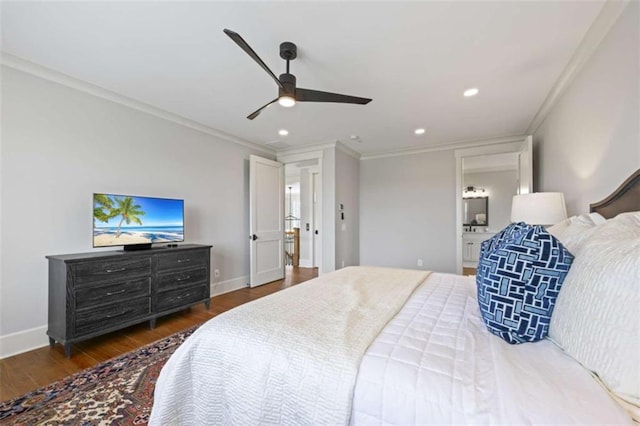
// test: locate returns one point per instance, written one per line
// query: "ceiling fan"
(288, 93)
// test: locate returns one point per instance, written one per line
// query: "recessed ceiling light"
(283, 132)
(471, 92)
(419, 131)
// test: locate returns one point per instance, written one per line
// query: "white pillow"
(572, 232)
(596, 319)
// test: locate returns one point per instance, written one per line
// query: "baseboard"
(306, 263)
(229, 285)
(23, 341)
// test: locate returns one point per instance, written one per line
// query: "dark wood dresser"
(96, 293)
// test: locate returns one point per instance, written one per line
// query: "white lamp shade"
(539, 208)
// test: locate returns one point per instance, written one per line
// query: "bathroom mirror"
(475, 211)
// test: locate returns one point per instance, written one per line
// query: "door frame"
(318, 222)
(522, 145)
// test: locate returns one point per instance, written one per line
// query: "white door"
(266, 217)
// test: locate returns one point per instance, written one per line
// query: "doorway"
(302, 248)
(493, 172)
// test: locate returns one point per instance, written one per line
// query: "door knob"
(253, 237)
(316, 232)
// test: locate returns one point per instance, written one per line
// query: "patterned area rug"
(118, 391)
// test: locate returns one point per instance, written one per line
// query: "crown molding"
(345, 149)
(301, 149)
(598, 30)
(442, 147)
(45, 73)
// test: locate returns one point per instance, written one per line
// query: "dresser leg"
(52, 342)
(152, 323)
(207, 304)
(67, 350)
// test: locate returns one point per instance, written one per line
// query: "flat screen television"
(136, 222)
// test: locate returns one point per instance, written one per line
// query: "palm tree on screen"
(102, 206)
(128, 210)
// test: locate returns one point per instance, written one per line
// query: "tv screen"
(124, 220)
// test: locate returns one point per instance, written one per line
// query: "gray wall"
(407, 211)
(590, 142)
(59, 145)
(347, 194)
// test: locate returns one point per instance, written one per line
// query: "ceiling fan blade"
(256, 113)
(307, 95)
(245, 46)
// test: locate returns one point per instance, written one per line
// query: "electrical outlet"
(216, 273)
(420, 262)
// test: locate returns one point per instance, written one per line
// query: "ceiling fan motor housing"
(289, 83)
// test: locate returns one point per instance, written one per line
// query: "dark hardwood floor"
(25, 372)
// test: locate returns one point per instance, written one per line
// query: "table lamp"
(539, 208)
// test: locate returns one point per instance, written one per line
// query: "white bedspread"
(435, 363)
(289, 358)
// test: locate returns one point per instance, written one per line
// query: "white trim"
(306, 263)
(303, 149)
(300, 156)
(494, 169)
(601, 26)
(23, 65)
(496, 147)
(229, 285)
(441, 147)
(515, 145)
(458, 213)
(23, 341)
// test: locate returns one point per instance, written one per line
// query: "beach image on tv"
(123, 220)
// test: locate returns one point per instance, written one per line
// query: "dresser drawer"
(104, 317)
(183, 260)
(88, 273)
(113, 292)
(181, 279)
(182, 297)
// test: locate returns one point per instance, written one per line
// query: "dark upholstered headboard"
(624, 199)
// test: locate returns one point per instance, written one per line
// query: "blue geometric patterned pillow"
(518, 279)
(507, 233)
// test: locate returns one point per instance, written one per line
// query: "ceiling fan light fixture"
(286, 101)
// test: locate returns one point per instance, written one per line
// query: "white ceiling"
(413, 58)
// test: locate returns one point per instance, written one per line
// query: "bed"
(367, 345)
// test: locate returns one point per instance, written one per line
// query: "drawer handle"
(108, 271)
(182, 296)
(184, 260)
(117, 315)
(109, 293)
(183, 278)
